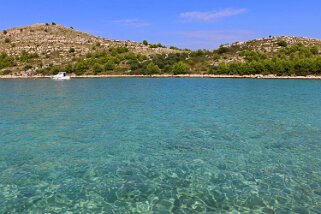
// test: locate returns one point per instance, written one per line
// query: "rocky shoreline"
(172, 76)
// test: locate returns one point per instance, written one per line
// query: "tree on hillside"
(6, 61)
(222, 49)
(145, 42)
(173, 48)
(282, 43)
(7, 40)
(97, 69)
(314, 50)
(180, 68)
(80, 68)
(109, 66)
(251, 55)
(198, 53)
(68, 68)
(152, 68)
(158, 45)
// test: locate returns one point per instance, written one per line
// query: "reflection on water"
(160, 145)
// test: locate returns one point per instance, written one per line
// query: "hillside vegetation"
(45, 49)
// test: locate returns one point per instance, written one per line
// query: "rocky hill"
(269, 46)
(275, 43)
(56, 45)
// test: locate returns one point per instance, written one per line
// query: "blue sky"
(192, 24)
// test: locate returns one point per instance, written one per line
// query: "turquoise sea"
(160, 146)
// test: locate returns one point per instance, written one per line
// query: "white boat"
(61, 76)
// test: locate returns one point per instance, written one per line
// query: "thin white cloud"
(136, 23)
(211, 15)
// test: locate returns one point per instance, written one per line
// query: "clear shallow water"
(160, 145)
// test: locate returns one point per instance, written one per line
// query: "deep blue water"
(160, 146)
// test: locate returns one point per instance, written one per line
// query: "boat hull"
(60, 78)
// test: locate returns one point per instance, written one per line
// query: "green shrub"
(109, 66)
(314, 50)
(5, 32)
(7, 40)
(80, 68)
(6, 61)
(72, 50)
(68, 68)
(145, 42)
(55, 70)
(180, 68)
(134, 65)
(158, 45)
(141, 57)
(97, 69)
(216, 56)
(282, 43)
(151, 68)
(251, 55)
(198, 53)
(45, 71)
(27, 67)
(118, 50)
(25, 56)
(130, 56)
(6, 72)
(173, 48)
(222, 50)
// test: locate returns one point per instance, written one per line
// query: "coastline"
(257, 76)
